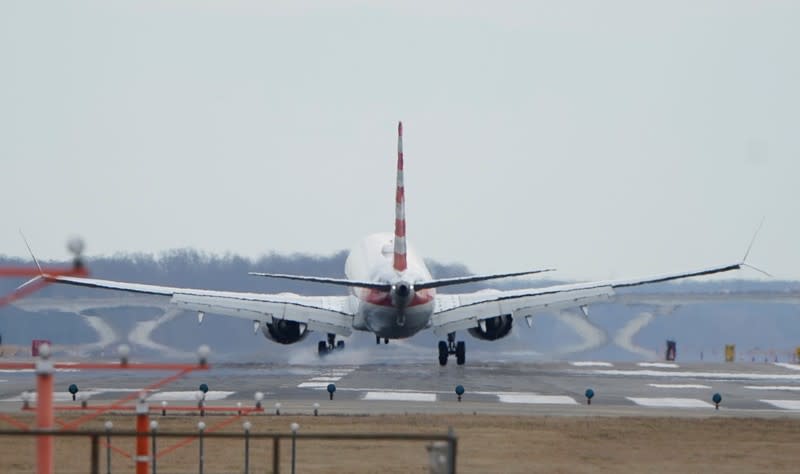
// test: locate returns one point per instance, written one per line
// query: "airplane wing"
(330, 314)
(471, 310)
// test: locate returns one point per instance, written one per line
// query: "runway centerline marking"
(677, 385)
(670, 402)
(785, 404)
(401, 396)
(325, 379)
(660, 365)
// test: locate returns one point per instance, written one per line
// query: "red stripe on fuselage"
(400, 263)
(384, 298)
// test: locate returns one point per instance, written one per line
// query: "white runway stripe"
(670, 402)
(785, 404)
(401, 396)
(30, 371)
(788, 366)
(64, 396)
(697, 375)
(534, 399)
(591, 364)
(57, 397)
(397, 390)
(313, 384)
(188, 395)
(108, 390)
(326, 376)
(789, 388)
(677, 385)
(661, 365)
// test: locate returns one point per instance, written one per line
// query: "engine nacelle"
(285, 332)
(493, 328)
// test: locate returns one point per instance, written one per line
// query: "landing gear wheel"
(326, 347)
(443, 353)
(461, 352)
(459, 349)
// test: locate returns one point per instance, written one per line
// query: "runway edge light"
(331, 390)
(202, 354)
(717, 399)
(73, 389)
(459, 391)
(589, 395)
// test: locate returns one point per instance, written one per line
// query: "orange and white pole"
(45, 419)
(142, 428)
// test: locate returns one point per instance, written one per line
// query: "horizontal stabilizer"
(473, 278)
(332, 281)
(422, 285)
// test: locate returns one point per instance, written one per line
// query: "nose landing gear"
(452, 347)
(378, 340)
(326, 347)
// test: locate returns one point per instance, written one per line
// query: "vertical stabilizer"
(400, 208)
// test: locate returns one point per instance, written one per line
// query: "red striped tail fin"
(400, 263)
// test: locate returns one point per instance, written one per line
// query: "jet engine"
(494, 328)
(285, 332)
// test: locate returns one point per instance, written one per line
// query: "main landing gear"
(452, 347)
(331, 345)
(378, 340)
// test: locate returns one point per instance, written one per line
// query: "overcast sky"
(607, 139)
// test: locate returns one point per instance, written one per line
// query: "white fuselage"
(375, 311)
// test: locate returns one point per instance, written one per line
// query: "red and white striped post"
(142, 428)
(44, 410)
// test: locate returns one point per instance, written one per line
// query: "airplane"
(392, 295)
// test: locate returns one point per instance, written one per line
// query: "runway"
(551, 388)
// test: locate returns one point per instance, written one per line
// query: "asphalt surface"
(513, 388)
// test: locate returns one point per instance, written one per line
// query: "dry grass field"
(487, 444)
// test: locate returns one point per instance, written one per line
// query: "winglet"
(753, 240)
(750, 247)
(41, 272)
(400, 263)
